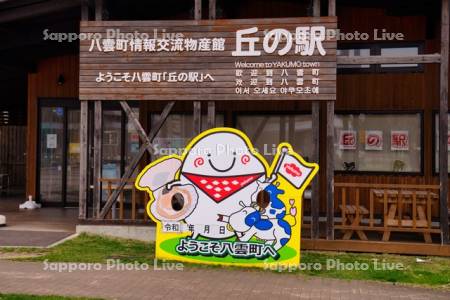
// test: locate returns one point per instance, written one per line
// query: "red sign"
(399, 140)
(293, 170)
(374, 140)
(347, 140)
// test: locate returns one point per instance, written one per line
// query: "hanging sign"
(347, 140)
(374, 140)
(221, 202)
(251, 59)
(52, 141)
(399, 140)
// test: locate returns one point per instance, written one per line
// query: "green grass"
(435, 272)
(96, 249)
(35, 297)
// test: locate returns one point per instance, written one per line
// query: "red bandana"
(219, 188)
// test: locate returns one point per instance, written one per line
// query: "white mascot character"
(218, 172)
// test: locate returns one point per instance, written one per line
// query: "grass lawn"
(435, 271)
(35, 297)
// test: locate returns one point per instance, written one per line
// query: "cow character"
(248, 222)
(275, 208)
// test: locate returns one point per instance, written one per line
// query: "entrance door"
(59, 155)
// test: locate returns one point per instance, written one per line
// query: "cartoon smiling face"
(224, 169)
(221, 154)
(221, 164)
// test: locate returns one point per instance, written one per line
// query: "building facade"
(380, 176)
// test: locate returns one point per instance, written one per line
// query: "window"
(436, 143)
(267, 131)
(120, 143)
(394, 49)
(354, 52)
(177, 131)
(111, 152)
(399, 51)
(378, 142)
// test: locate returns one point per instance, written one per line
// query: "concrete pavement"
(195, 283)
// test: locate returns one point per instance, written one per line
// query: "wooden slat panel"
(221, 65)
(12, 154)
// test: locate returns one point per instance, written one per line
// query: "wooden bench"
(421, 202)
(353, 215)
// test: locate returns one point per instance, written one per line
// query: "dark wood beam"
(84, 146)
(330, 170)
(37, 9)
(211, 114)
(332, 8)
(443, 122)
(84, 10)
(198, 9)
(316, 8)
(212, 9)
(197, 118)
(211, 118)
(315, 193)
(133, 119)
(98, 130)
(146, 146)
(98, 10)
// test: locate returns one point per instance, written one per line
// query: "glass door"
(51, 154)
(59, 155)
(73, 157)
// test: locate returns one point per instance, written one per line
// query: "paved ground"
(38, 228)
(44, 219)
(31, 278)
(31, 238)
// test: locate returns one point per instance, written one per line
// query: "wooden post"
(443, 122)
(315, 195)
(211, 114)
(84, 145)
(98, 10)
(332, 8)
(197, 117)
(330, 151)
(146, 146)
(212, 104)
(212, 9)
(137, 125)
(198, 10)
(316, 8)
(84, 10)
(98, 129)
(330, 170)
(83, 189)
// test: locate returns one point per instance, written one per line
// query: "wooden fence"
(386, 208)
(131, 204)
(12, 153)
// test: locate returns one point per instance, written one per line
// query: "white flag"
(293, 170)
